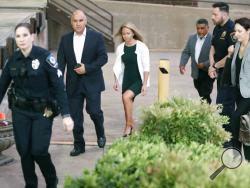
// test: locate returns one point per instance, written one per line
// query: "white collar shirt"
(199, 43)
(78, 44)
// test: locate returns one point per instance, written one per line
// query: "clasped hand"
(81, 69)
(212, 72)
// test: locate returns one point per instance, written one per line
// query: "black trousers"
(93, 108)
(243, 106)
(32, 134)
(204, 85)
(226, 97)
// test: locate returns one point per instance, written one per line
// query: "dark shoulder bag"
(244, 134)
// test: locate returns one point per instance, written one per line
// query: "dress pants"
(226, 97)
(204, 85)
(32, 134)
(243, 107)
(93, 108)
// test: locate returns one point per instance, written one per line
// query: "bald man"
(83, 52)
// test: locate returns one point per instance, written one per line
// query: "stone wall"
(163, 26)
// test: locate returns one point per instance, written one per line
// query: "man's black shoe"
(52, 184)
(101, 142)
(76, 152)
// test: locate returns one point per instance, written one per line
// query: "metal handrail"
(88, 15)
(98, 8)
(101, 17)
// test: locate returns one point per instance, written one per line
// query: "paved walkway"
(11, 174)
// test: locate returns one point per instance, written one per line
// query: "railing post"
(1, 57)
(40, 22)
(33, 24)
(10, 46)
(163, 82)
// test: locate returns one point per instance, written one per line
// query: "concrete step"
(26, 4)
(9, 19)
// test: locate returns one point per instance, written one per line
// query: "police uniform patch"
(35, 64)
(52, 61)
(59, 73)
(223, 35)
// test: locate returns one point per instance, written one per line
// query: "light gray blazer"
(189, 51)
(244, 79)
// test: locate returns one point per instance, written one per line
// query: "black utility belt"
(30, 105)
(48, 107)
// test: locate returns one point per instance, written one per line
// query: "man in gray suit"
(198, 47)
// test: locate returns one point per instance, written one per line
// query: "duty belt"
(49, 108)
(30, 105)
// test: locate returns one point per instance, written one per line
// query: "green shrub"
(87, 180)
(126, 162)
(232, 178)
(140, 161)
(178, 147)
(184, 121)
(198, 152)
(177, 171)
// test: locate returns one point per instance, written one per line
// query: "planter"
(6, 140)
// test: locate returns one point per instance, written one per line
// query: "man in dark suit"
(198, 47)
(83, 52)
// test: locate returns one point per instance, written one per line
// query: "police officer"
(36, 83)
(222, 42)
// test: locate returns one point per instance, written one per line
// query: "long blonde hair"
(129, 25)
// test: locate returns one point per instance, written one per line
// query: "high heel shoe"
(126, 133)
(131, 131)
(131, 124)
(129, 128)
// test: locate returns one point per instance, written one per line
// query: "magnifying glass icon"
(231, 158)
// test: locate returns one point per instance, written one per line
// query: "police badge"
(223, 35)
(35, 64)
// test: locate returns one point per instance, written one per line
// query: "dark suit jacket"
(94, 56)
(189, 51)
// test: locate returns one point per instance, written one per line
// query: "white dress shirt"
(78, 43)
(199, 43)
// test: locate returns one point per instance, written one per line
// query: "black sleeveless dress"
(131, 79)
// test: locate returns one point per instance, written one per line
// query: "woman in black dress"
(131, 70)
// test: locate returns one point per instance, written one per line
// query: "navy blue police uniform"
(222, 39)
(36, 83)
